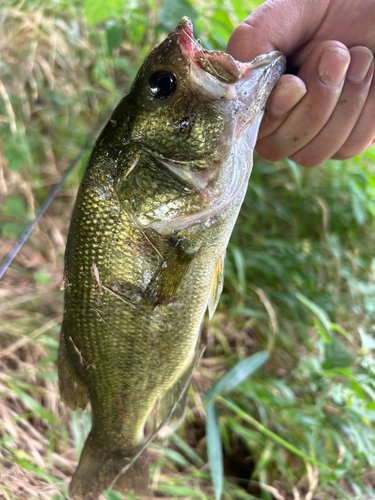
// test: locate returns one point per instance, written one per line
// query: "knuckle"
(242, 31)
(348, 151)
(307, 159)
(318, 113)
(348, 108)
(268, 151)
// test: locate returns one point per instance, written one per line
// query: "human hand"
(328, 109)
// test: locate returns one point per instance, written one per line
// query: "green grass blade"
(270, 434)
(236, 375)
(173, 455)
(31, 403)
(112, 495)
(187, 450)
(214, 449)
(181, 491)
(315, 309)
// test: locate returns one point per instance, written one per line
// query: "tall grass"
(297, 423)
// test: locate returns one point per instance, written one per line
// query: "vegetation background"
(294, 417)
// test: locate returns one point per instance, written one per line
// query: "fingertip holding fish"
(287, 93)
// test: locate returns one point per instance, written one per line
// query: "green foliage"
(336, 356)
(300, 241)
(14, 206)
(96, 12)
(114, 36)
(112, 495)
(173, 10)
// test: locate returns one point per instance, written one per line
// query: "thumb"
(283, 25)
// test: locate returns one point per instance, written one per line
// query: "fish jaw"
(220, 64)
(258, 78)
(247, 83)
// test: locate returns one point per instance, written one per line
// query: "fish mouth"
(223, 76)
(220, 65)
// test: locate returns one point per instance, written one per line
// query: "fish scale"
(146, 246)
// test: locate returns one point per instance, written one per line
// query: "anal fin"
(73, 390)
(169, 410)
(216, 285)
(172, 405)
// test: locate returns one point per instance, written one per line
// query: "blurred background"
(299, 279)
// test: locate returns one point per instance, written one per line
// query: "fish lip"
(258, 78)
(274, 56)
(239, 71)
(269, 66)
(216, 75)
(220, 65)
(186, 40)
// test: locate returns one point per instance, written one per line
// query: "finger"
(323, 73)
(346, 113)
(363, 135)
(265, 28)
(339, 23)
(288, 92)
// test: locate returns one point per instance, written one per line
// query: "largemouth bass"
(146, 246)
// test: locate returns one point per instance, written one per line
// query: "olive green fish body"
(146, 245)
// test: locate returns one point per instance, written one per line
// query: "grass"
(300, 283)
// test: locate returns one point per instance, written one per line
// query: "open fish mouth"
(216, 76)
(219, 64)
(261, 73)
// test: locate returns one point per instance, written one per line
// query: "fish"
(146, 246)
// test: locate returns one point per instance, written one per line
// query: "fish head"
(180, 96)
(189, 108)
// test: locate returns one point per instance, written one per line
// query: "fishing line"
(29, 228)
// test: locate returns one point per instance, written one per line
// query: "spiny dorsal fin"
(216, 286)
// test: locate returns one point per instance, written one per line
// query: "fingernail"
(285, 98)
(332, 66)
(360, 60)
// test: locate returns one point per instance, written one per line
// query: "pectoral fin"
(216, 286)
(168, 277)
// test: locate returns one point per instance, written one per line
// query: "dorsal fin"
(216, 285)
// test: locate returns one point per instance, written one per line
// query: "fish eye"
(163, 84)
